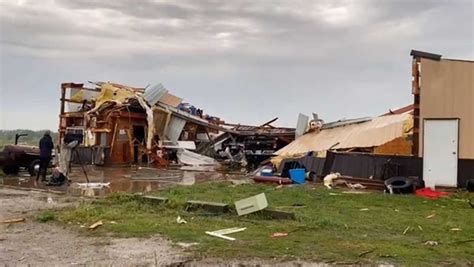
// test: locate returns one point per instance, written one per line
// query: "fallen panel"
(189, 145)
(171, 100)
(208, 206)
(156, 200)
(175, 127)
(251, 204)
(153, 94)
(279, 215)
(187, 157)
(301, 125)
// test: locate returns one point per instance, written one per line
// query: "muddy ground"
(32, 243)
(43, 244)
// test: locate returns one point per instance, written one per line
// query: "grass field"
(330, 226)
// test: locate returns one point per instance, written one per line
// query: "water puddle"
(123, 179)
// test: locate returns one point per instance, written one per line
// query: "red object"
(272, 180)
(430, 193)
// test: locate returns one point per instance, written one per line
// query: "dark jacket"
(46, 147)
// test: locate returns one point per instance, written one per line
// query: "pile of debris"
(118, 124)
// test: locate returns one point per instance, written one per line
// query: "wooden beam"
(72, 115)
(268, 122)
(91, 89)
(61, 111)
(72, 85)
(132, 115)
(72, 101)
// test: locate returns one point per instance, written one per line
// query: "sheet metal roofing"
(375, 132)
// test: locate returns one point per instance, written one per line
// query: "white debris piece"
(187, 157)
(93, 185)
(329, 179)
(222, 233)
(180, 220)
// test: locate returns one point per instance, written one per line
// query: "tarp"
(375, 132)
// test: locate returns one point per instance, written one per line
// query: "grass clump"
(46, 216)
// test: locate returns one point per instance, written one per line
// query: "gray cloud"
(246, 61)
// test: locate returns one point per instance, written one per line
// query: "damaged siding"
(175, 128)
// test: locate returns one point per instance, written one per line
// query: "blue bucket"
(298, 176)
(266, 172)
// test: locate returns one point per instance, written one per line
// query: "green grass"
(328, 228)
(46, 216)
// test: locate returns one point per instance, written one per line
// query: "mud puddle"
(122, 179)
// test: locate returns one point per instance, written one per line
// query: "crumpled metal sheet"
(375, 132)
(301, 125)
(153, 94)
(175, 127)
(187, 157)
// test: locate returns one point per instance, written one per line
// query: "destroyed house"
(118, 124)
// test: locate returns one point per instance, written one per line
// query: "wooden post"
(416, 108)
(61, 111)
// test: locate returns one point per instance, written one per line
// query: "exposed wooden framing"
(132, 115)
(268, 123)
(101, 130)
(130, 144)
(114, 134)
(72, 85)
(72, 115)
(416, 107)
(61, 112)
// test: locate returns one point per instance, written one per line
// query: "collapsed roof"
(360, 133)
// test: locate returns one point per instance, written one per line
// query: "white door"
(440, 152)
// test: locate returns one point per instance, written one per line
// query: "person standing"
(46, 148)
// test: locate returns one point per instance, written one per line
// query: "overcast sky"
(243, 61)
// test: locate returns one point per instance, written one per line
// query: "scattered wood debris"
(277, 235)
(180, 220)
(14, 220)
(95, 225)
(366, 253)
(222, 233)
(215, 207)
(279, 214)
(187, 245)
(431, 243)
(406, 230)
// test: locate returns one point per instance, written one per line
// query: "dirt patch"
(48, 244)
